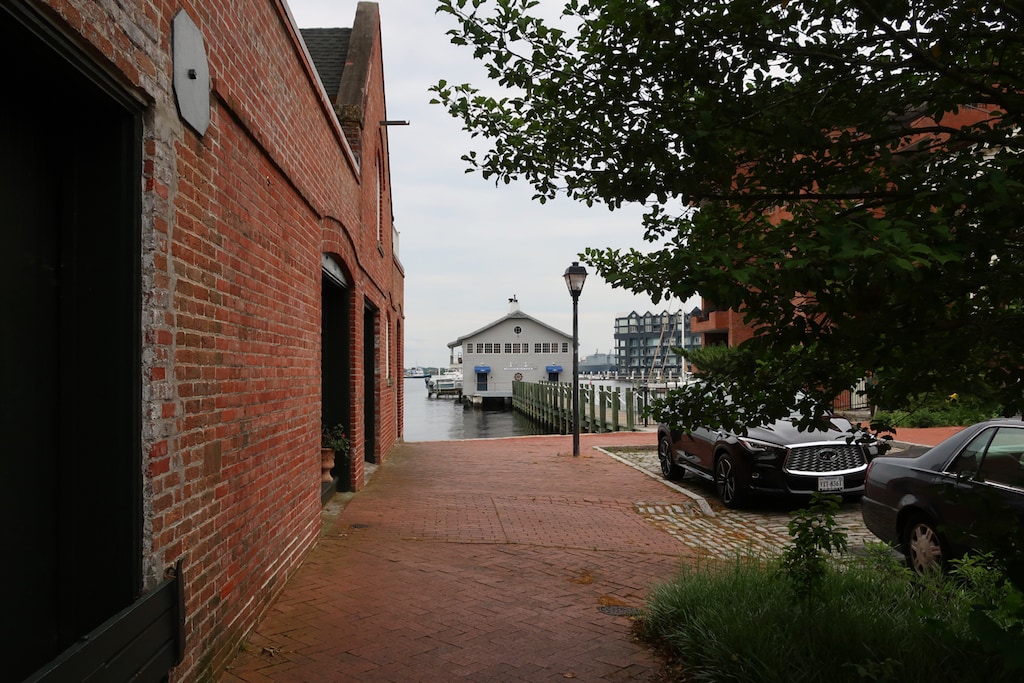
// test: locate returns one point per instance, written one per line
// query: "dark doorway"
(370, 384)
(70, 182)
(336, 372)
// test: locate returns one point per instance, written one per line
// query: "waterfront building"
(514, 348)
(645, 345)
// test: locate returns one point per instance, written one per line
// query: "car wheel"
(924, 548)
(669, 469)
(730, 481)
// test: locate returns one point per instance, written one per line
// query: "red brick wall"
(716, 323)
(234, 224)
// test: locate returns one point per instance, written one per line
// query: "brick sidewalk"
(930, 436)
(485, 560)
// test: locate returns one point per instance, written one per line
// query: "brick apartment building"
(718, 325)
(200, 269)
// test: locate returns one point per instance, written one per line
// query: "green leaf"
(799, 162)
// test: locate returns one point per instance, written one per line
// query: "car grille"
(824, 457)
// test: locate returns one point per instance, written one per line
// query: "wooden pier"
(602, 409)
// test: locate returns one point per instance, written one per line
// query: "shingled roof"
(514, 315)
(329, 49)
(342, 58)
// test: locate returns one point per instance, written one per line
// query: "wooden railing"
(602, 409)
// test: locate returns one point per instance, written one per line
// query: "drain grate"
(619, 610)
(359, 526)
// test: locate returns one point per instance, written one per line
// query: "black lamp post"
(575, 276)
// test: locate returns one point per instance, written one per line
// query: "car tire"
(731, 481)
(669, 469)
(923, 547)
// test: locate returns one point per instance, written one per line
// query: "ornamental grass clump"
(819, 614)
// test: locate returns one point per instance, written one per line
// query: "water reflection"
(444, 419)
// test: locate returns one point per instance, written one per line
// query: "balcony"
(710, 321)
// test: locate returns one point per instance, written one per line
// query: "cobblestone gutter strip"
(717, 531)
(642, 460)
(721, 538)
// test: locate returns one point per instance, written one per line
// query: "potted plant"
(333, 442)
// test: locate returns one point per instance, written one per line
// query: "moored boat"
(447, 383)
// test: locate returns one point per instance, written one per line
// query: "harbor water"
(446, 419)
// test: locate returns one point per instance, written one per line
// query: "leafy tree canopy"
(847, 174)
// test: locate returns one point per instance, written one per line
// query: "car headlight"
(762, 448)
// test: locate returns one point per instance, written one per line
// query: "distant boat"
(447, 383)
(417, 372)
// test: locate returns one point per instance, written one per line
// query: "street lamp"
(575, 276)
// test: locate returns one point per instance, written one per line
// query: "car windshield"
(966, 464)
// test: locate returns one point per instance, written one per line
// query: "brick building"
(200, 269)
(717, 325)
(722, 326)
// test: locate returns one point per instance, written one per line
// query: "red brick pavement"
(481, 560)
(924, 437)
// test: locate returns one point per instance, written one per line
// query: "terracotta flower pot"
(326, 464)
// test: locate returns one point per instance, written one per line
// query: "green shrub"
(869, 618)
(816, 536)
(937, 411)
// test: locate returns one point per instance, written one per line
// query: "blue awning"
(482, 368)
(554, 368)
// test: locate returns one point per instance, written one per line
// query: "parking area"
(706, 526)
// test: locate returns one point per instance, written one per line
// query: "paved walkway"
(497, 560)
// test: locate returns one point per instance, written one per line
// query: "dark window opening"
(71, 362)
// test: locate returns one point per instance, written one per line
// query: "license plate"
(830, 483)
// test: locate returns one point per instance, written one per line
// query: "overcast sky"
(467, 246)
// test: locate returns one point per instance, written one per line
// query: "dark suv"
(777, 458)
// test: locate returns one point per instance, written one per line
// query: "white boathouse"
(517, 347)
